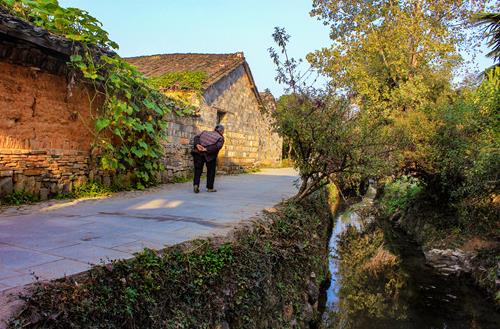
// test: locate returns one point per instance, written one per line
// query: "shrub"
(398, 194)
(17, 198)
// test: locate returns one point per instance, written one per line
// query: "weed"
(90, 190)
(182, 179)
(18, 198)
(251, 170)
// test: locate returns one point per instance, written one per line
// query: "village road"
(65, 238)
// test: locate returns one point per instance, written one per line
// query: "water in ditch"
(404, 294)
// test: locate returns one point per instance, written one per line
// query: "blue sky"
(211, 26)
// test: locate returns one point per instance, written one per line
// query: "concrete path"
(53, 241)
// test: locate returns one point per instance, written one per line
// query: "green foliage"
(130, 124)
(245, 282)
(399, 194)
(491, 23)
(330, 139)
(330, 142)
(393, 55)
(90, 190)
(72, 23)
(454, 150)
(183, 179)
(18, 198)
(188, 80)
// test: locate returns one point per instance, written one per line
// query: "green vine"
(189, 81)
(184, 87)
(130, 123)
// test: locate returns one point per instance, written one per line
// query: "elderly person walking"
(207, 145)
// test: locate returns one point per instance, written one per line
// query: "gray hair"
(219, 128)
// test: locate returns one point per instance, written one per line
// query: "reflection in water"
(379, 280)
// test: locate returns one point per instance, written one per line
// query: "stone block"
(106, 181)
(30, 185)
(44, 194)
(6, 186)
(19, 182)
(67, 188)
(32, 172)
(6, 173)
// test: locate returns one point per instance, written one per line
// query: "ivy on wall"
(186, 80)
(184, 87)
(130, 125)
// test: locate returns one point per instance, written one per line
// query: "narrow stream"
(424, 300)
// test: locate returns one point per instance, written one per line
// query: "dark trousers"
(199, 161)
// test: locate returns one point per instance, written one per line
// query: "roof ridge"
(238, 54)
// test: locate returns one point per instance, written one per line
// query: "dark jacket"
(212, 141)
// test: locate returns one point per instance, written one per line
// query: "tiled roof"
(17, 28)
(215, 65)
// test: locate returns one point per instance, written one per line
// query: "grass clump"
(182, 179)
(90, 189)
(18, 198)
(245, 283)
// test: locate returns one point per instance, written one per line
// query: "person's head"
(220, 129)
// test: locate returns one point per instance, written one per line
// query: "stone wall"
(249, 140)
(44, 132)
(270, 143)
(177, 160)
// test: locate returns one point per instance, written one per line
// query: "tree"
(492, 31)
(331, 140)
(393, 55)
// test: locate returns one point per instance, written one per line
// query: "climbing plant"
(130, 123)
(184, 87)
(187, 80)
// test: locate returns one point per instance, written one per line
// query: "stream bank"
(381, 279)
(454, 254)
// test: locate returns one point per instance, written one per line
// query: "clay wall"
(44, 131)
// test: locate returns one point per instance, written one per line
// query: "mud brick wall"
(45, 138)
(46, 131)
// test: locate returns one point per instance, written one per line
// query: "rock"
(30, 185)
(307, 312)
(6, 186)
(106, 181)
(67, 188)
(19, 182)
(44, 194)
(395, 217)
(312, 291)
(449, 261)
(288, 312)
(6, 173)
